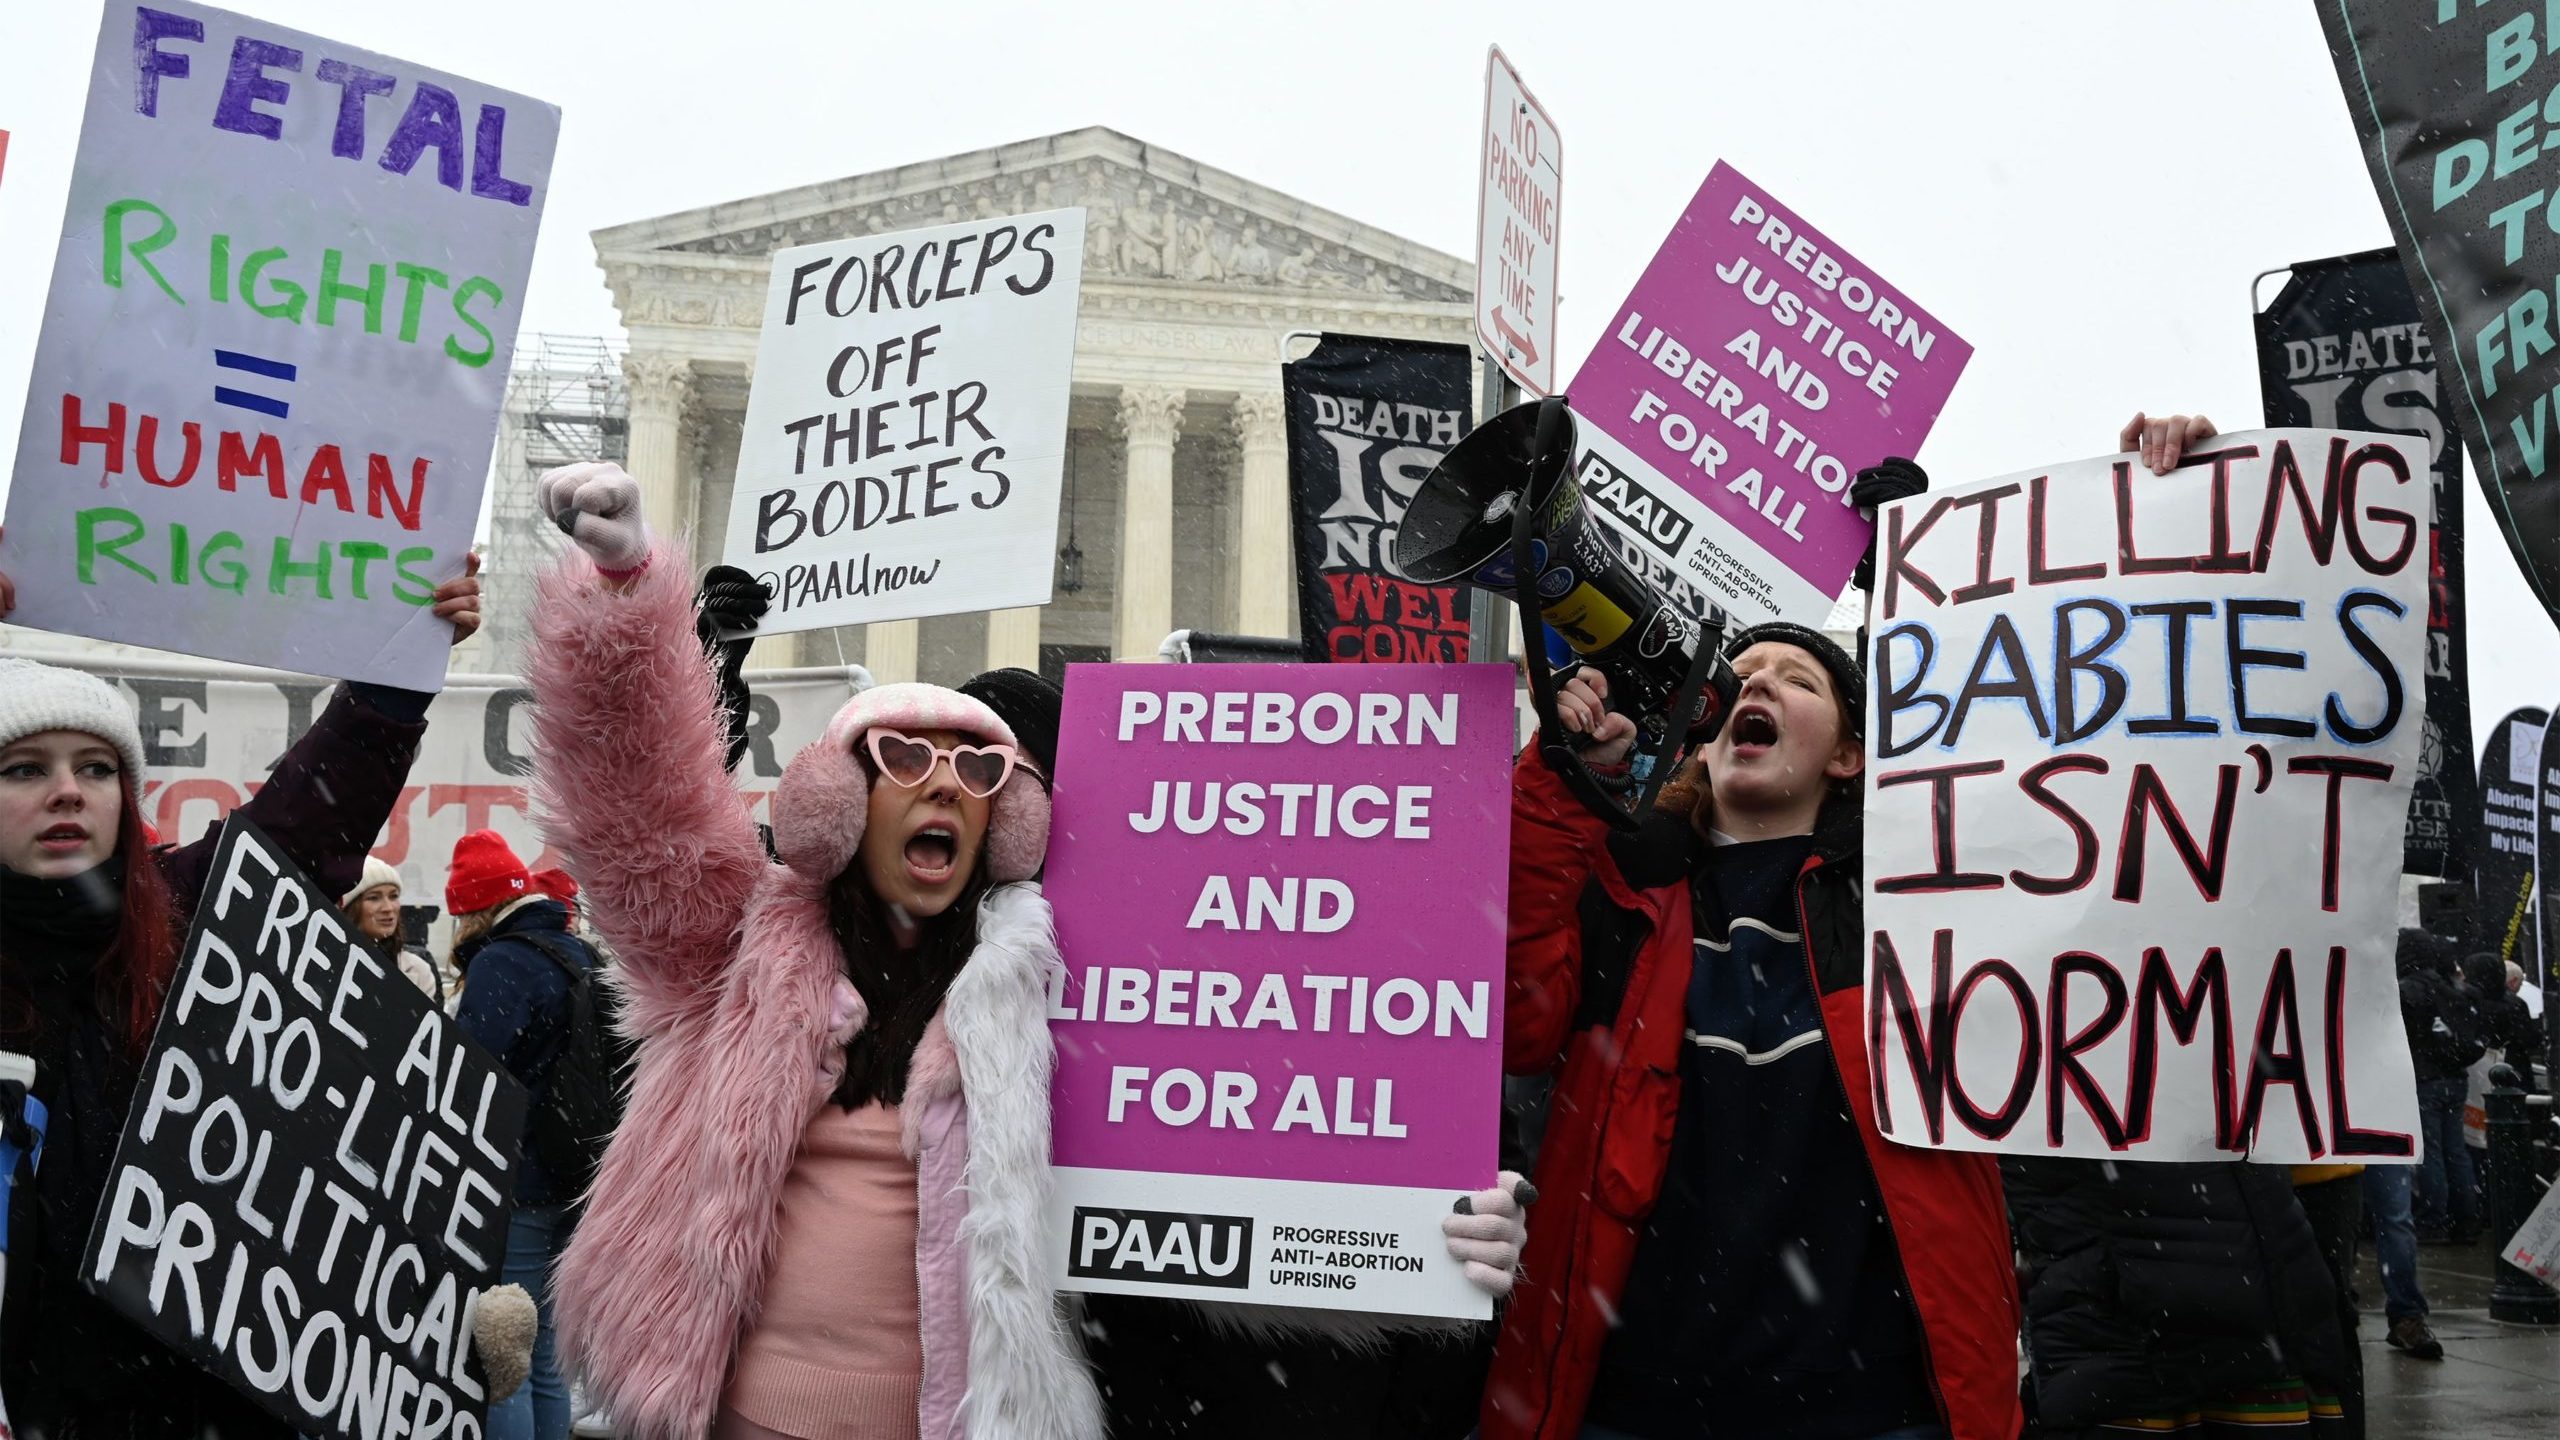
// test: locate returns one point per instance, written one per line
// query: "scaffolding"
(566, 402)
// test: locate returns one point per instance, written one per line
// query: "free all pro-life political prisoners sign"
(2139, 751)
(908, 425)
(1752, 372)
(1280, 889)
(312, 1188)
(269, 377)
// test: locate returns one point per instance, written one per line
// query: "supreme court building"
(1176, 486)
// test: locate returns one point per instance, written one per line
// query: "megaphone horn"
(1460, 527)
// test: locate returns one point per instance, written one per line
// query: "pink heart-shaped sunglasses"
(980, 769)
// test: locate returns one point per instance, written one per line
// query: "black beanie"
(1846, 677)
(1028, 702)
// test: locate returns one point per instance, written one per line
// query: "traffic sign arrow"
(1527, 347)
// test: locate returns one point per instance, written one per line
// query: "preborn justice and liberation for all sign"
(2139, 751)
(312, 1189)
(1752, 372)
(1281, 891)
(907, 432)
(273, 356)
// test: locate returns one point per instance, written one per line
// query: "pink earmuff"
(824, 800)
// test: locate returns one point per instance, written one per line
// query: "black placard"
(313, 1184)
(2343, 347)
(2503, 863)
(2546, 835)
(1368, 418)
(2447, 99)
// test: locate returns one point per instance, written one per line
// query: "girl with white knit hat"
(373, 912)
(90, 919)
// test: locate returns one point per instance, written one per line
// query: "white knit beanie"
(376, 872)
(35, 698)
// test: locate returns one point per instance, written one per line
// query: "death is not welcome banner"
(1368, 419)
(2141, 749)
(2447, 99)
(2343, 344)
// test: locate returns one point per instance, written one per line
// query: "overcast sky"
(2082, 190)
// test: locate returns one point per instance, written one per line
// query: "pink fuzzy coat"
(734, 985)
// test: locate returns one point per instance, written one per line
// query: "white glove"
(503, 1332)
(597, 505)
(1488, 1229)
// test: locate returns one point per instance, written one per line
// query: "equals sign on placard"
(254, 365)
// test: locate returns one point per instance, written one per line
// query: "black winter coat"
(2505, 1022)
(71, 1368)
(2447, 1032)
(2152, 1287)
(1166, 1370)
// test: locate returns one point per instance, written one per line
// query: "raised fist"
(597, 505)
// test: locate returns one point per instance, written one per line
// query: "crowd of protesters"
(816, 1208)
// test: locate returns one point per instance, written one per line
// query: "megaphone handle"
(1683, 701)
(1553, 747)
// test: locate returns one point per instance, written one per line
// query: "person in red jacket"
(1726, 1245)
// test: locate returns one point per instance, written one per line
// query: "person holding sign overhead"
(2167, 1297)
(823, 1213)
(90, 920)
(1726, 1243)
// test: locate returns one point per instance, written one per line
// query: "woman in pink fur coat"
(822, 1215)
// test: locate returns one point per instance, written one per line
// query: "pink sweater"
(836, 1353)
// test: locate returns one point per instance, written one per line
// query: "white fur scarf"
(1027, 1376)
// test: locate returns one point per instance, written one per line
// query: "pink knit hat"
(825, 795)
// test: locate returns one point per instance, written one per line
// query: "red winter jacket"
(1585, 910)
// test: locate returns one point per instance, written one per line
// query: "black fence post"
(2519, 1299)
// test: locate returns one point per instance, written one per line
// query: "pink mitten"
(1488, 1229)
(597, 505)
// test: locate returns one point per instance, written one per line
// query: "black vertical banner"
(2344, 347)
(1368, 419)
(2502, 866)
(312, 1186)
(2546, 850)
(2445, 99)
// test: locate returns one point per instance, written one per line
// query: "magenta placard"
(1416, 756)
(1756, 333)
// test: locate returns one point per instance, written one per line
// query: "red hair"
(134, 974)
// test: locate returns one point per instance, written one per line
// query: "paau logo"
(1154, 1245)
(1634, 506)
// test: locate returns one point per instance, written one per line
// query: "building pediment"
(1154, 220)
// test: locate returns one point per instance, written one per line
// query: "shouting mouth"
(1754, 730)
(932, 854)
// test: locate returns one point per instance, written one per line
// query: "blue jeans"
(2448, 1196)
(2395, 1239)
(539, 1410)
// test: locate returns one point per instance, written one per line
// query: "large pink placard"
(1759, 366)
(1347, 944)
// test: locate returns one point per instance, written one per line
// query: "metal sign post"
(1520, 185)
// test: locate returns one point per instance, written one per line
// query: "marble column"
(889, 650)
(1013, 638)
(660, 385)
(1262, 515)
(1142, 605)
